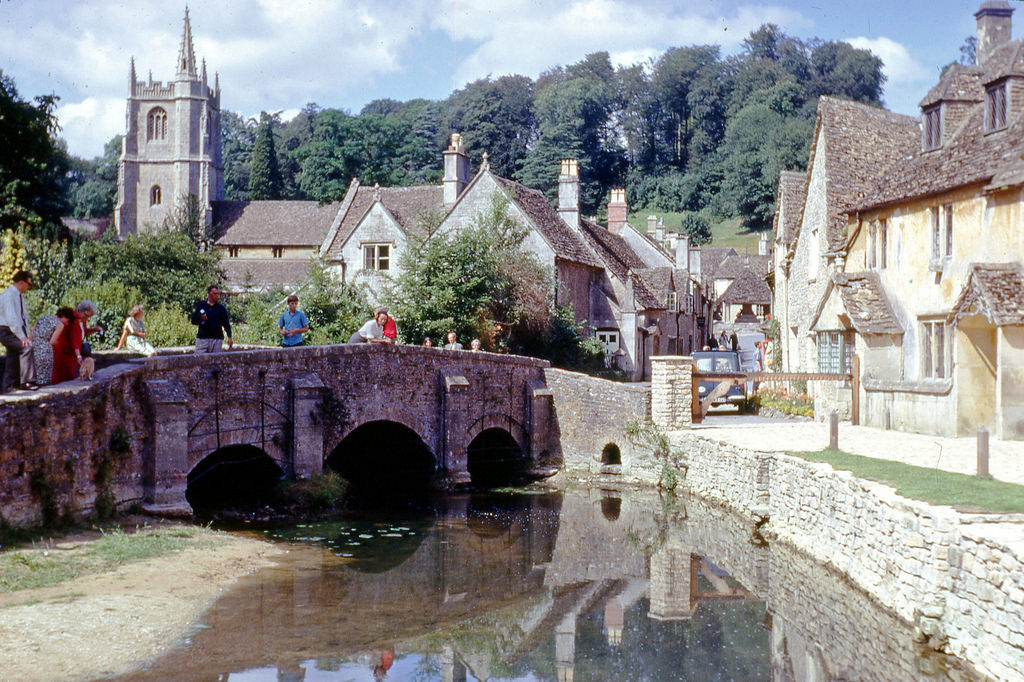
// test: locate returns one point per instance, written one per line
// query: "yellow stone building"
(932, 285)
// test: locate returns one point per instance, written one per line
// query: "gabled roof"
(747, 287)
(620, 259)
(788, 205)
(567, 244)
(711, 257)
(405, 204)
(861, 143)
(969, 155)
(865, 302)
(660, 282)
(995, 290)
(960, 83)
(733, 265)
(272, 223)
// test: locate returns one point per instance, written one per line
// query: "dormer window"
(995, 107)
(932, 128)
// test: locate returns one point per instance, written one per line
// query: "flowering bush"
(780, 400)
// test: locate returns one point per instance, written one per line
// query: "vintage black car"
(717, 362)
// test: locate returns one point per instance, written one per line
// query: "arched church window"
(155, 197)
(156, 124)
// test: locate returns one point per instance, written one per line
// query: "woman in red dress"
(67, 340)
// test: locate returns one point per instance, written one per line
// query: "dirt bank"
(108, 623)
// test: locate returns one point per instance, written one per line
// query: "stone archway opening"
(495, 459)
(611, 455)
(233, 477)
(383, 461)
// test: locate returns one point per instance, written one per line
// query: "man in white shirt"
(19, 365)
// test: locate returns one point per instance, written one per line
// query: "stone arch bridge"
(142, 427)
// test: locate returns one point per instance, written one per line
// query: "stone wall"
(592, 413)
(957, 577)
(671, 391)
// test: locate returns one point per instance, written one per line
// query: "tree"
(841, 70)
(238, 135)
(187, 219)
(697, 227)
(264, 174)
(33, 166)
(95, 193)
(495, 117)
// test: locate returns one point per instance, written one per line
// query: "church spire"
(186, 55)
(131, 78)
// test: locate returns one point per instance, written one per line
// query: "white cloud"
(512, 36)
(899, 67)
(91, 123)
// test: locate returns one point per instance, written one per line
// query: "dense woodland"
(692, 131)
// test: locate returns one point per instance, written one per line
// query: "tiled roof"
(747, 287)
(659, 282)
(732, 266)
(861, 143)
(791, 195)
(711, 257)
(272, 223)
(567, 244)
(967, 156)
(866, 303)
(405, 204)
(996, 290)
(264, 273)
(619, 258)
(960, 83)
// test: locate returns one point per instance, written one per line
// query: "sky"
(278, 55)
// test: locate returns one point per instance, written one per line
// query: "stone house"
(939, 242)
(854, 146)
(264, 244)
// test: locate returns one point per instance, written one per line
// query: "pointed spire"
(186, 55)
(131, 78)
(203, 76)
(216, 82)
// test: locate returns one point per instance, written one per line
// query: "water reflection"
(587, 586)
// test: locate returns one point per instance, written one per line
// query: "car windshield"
(716, 362)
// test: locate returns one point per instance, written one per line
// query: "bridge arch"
(232, 476)
(383, 458)
(494, 458)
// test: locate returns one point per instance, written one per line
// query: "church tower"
(172, 145)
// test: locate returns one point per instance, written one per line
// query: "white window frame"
(936, 344)
(609, 338)
(883, 244)
(835, 351)
(377, 256)
(673, 302)
(947, 220)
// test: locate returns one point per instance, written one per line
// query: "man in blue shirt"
(293, 324)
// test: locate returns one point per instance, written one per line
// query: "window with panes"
(835, 351)
(932, 128)
(936, 349)
(995, 107)
(377, 257)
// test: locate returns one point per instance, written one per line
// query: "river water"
(585, 585)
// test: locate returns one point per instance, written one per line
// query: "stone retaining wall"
(958, 577)
(592, 413)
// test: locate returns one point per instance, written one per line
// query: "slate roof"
(970, 155)
(659, 282)
(619, 258)
(567, 243)
(711, 257)
(791, 195)
(866, 304)
(732, 266)
(747, 287)
(405, 204)
(996, 290)
(960, 83)
(862, 142)
(272, 223)
(264, 272)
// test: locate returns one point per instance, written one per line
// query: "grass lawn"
(46, 564)
(929, 485)
(727, 232)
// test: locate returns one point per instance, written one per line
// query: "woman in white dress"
(133, 334)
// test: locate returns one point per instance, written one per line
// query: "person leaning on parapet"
(453, 342)
(212, 318)
(19, 365)
(474, 345)
(292, 324)
(373, 330)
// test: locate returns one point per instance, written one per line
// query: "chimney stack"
(618, 211)
(683, 251)
(762, 245)
(993, 28)
(456, 170)
(659, 231)
(569, 193)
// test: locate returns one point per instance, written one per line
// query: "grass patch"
(724, 231)
(42, 566)
(928, 485)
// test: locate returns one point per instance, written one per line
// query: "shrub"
(167, 326)
(113, 301)
(780, 400)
